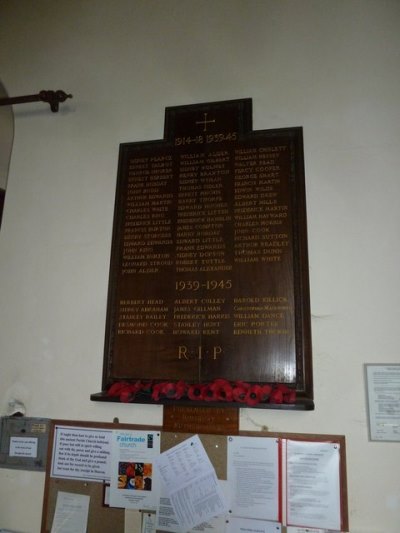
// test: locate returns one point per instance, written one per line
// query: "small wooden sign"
(217, 420)
(209, 265)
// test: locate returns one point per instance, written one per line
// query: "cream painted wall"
(332, 67)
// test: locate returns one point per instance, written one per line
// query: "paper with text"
(249, 525)
(253, 477)
(23, 446)
(81, 453)
(71, 513)
(148, 522)
(166, 520)
(308, 530)
(133, 482)
(383, 387)
(313, 484)
(191, 484)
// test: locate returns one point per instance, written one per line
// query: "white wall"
(329, 66)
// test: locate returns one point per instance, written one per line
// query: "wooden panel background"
(209, 261)
(105, 519)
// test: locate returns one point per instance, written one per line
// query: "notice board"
(103, 518)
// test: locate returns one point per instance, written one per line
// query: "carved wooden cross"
(205, 121)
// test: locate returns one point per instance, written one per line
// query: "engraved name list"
(209, 265)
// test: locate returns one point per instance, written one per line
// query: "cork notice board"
(103, 519)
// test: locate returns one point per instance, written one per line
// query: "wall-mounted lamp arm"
(51, 97)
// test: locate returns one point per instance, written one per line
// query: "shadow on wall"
(2, 196)
(6, 142)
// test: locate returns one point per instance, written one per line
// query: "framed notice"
(383, 396)
(23, 442)
(209, 265)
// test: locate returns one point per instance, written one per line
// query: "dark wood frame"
(296, 184)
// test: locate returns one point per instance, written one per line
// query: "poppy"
(254, 395)
(174, 391)
(195, 392)
(222, 389)
(240, 391)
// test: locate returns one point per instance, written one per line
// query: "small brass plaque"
(216, 420)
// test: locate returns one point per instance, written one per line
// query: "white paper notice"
(133, 484)
(383, 385)
(248, 525)
(166, 519)
(191, 484)
(313, 484)
(253, 477)
(133, 521)
(216, 524)
(71, 514)
(149, 523)
(81, 453)
(23, 447)
(306, 530)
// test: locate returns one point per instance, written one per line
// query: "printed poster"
(133, 484)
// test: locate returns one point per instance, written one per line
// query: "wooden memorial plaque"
(193, 419)
(209, 265)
